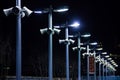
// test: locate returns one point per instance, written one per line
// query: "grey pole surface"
(79, 60)
(106, 72)
(94, 66)
(50, 52)
(103, 73)
(18, 43)
(67, 54)
(88, 62)
(99, 69)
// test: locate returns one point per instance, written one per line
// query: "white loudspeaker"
(74, 48)
(42, 31)
(27, 11)
(7, 11)
(57, 30)
(61, 41)
(71, 41)
(15, 10)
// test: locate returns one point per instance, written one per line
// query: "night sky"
(99, 18)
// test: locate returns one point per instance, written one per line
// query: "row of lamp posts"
(21, 12)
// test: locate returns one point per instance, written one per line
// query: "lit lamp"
(19, 12)
(50, 30)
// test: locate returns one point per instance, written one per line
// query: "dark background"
(99, 18)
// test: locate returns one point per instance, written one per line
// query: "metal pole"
(94, 66)
(50, 44)
(79, 60)
(106, 72)
(18, 43)
(99, 69)
(67, 54)
(103, 72)
(88, 62)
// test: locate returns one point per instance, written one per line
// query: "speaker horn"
(27, 11)
(7, 11)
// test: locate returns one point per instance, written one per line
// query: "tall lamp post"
(50, 30)
(88, 55)
(79, 48)
(67, 42)
(19, 12)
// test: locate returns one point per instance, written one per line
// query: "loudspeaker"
(57, 30)
(42, 31)
(27, 11)
(8, 11)
(61, 41)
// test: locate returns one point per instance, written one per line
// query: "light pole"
(99, 59)
(67, 42)
(88, 57)
(50, 31)
(79, 48)
(88, 63)
(19, 12)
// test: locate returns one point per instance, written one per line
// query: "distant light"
(86, 35)
(99, 49)
(104, 53)
(57, 27)
(94, 43)
(65, 8)
(107, 56)
(75, 24)
(38, 12)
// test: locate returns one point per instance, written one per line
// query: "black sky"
(100, 18)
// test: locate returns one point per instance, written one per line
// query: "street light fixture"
(20, 13)
(50, 30)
